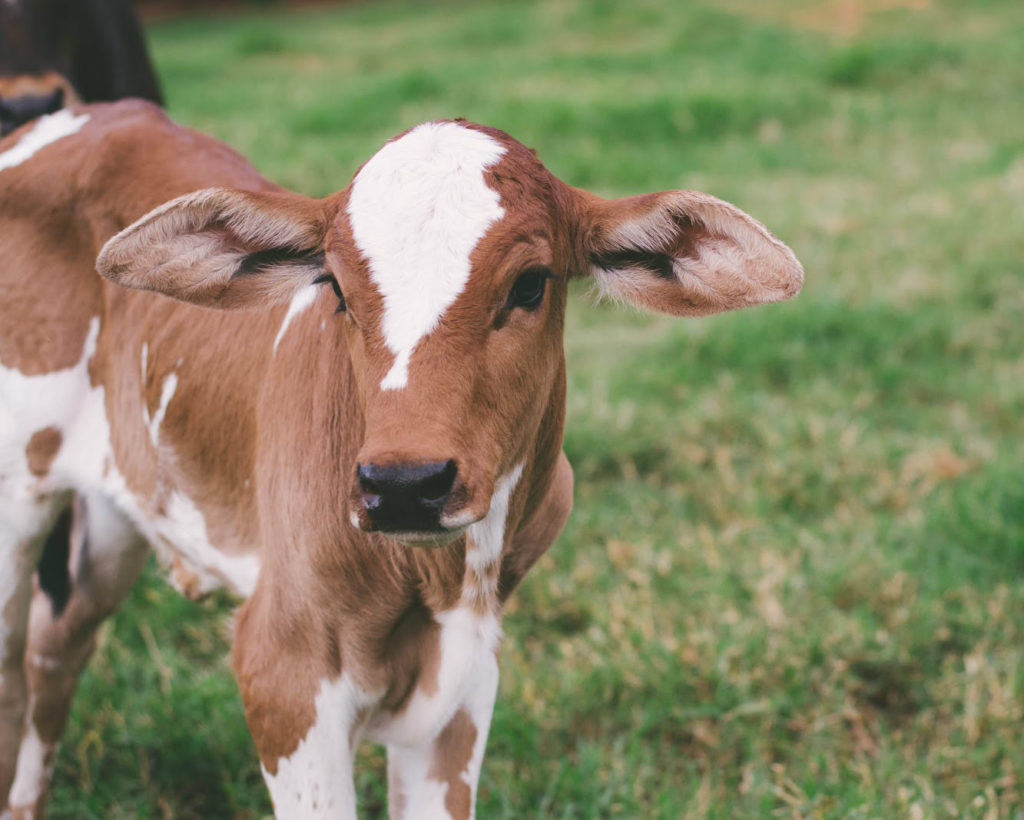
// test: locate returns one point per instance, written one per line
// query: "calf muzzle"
(406, 498)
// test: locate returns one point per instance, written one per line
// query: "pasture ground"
(792, 584)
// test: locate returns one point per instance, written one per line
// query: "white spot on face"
(47, 130)
(418, 208)
(302, 299)
(315, 781)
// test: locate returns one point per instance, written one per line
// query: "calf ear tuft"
(221, 248)
(686, 253)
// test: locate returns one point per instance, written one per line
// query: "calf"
(59, 52)
(349, 412)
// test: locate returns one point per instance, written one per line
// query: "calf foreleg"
(22, 522)
(105, 559)
(437, 780)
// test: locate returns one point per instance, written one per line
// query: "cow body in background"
(349, 412)
(60, 52)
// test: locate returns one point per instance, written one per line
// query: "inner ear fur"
(221, 248)
(685, 253)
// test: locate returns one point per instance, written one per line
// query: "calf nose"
(16, 111)
(406, 497)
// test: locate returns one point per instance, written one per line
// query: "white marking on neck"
(487, 536)
(418, 208)
(47, 130)
(302, 299)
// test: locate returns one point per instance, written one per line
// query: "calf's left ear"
(221, 248)
(685, 253)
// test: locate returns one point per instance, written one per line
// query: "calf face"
(450, 254)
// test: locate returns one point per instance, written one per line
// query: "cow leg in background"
(105, 560)
(437, 780)
(23, 520)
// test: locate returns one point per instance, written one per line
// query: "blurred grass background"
(792, 583)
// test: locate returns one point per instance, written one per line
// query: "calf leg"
(22, 520)
(304, 713)
(105, 560)
(437, 780)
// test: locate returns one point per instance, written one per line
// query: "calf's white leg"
(437, 779)
(23, 521)
(105, 560)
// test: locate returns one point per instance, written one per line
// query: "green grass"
(792, 583)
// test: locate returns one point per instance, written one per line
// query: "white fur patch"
(315, 781)
(303, 298)
(66, 400)
(166, 394)
(467, 650)
(424, 797)
(418, 208)
(181, 532)
(29, 404)
(34, 770)
(47, 130)
(487, 537)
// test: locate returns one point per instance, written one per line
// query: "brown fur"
(452, 752)
(42, 449)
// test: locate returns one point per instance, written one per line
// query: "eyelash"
(326, 277)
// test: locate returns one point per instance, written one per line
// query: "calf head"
(447, 259)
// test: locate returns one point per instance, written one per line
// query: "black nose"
(406, 497)
(16, 111)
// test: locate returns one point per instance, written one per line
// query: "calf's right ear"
(221, 248)
(684, 253)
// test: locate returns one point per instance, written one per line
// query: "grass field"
(793, 583)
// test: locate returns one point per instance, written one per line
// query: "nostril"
(367, 482)
(435, 489)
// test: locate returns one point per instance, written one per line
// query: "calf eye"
(528, 290)
(342, 307)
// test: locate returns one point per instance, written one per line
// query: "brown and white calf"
(349, 412)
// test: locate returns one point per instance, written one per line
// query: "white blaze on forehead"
(418, 208)
(47, 130)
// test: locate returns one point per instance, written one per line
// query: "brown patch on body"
(42, 449)
(453, 751)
